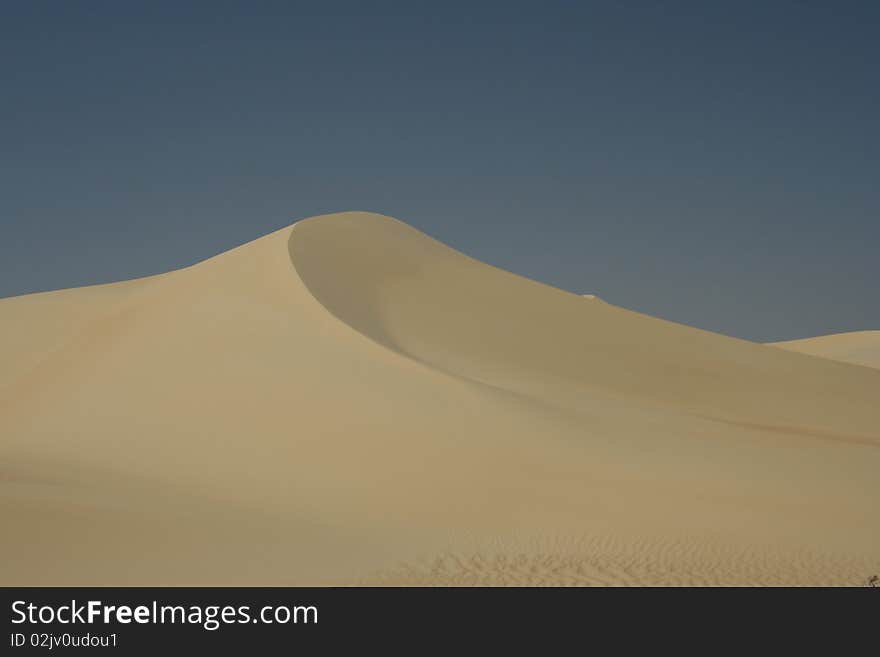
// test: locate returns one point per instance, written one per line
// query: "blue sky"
(711, 163)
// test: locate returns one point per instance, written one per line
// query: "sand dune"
(348, 401)
(858, 347)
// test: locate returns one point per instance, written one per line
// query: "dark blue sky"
(714, 163)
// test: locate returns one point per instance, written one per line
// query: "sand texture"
(348, 401)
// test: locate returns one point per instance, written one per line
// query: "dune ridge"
(349, 401)
(855, 347)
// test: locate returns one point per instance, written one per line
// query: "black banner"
(147, 620)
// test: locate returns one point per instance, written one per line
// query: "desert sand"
(857, 347)
(348, 401)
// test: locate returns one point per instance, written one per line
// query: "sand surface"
(858, 347)
(348, 401)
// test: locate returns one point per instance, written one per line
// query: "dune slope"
(349, 401)
(857, 347)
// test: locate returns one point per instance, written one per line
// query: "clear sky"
(714, 163)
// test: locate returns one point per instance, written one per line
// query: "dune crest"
(350, 401)
(857, 347)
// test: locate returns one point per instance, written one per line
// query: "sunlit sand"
(348, 401)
